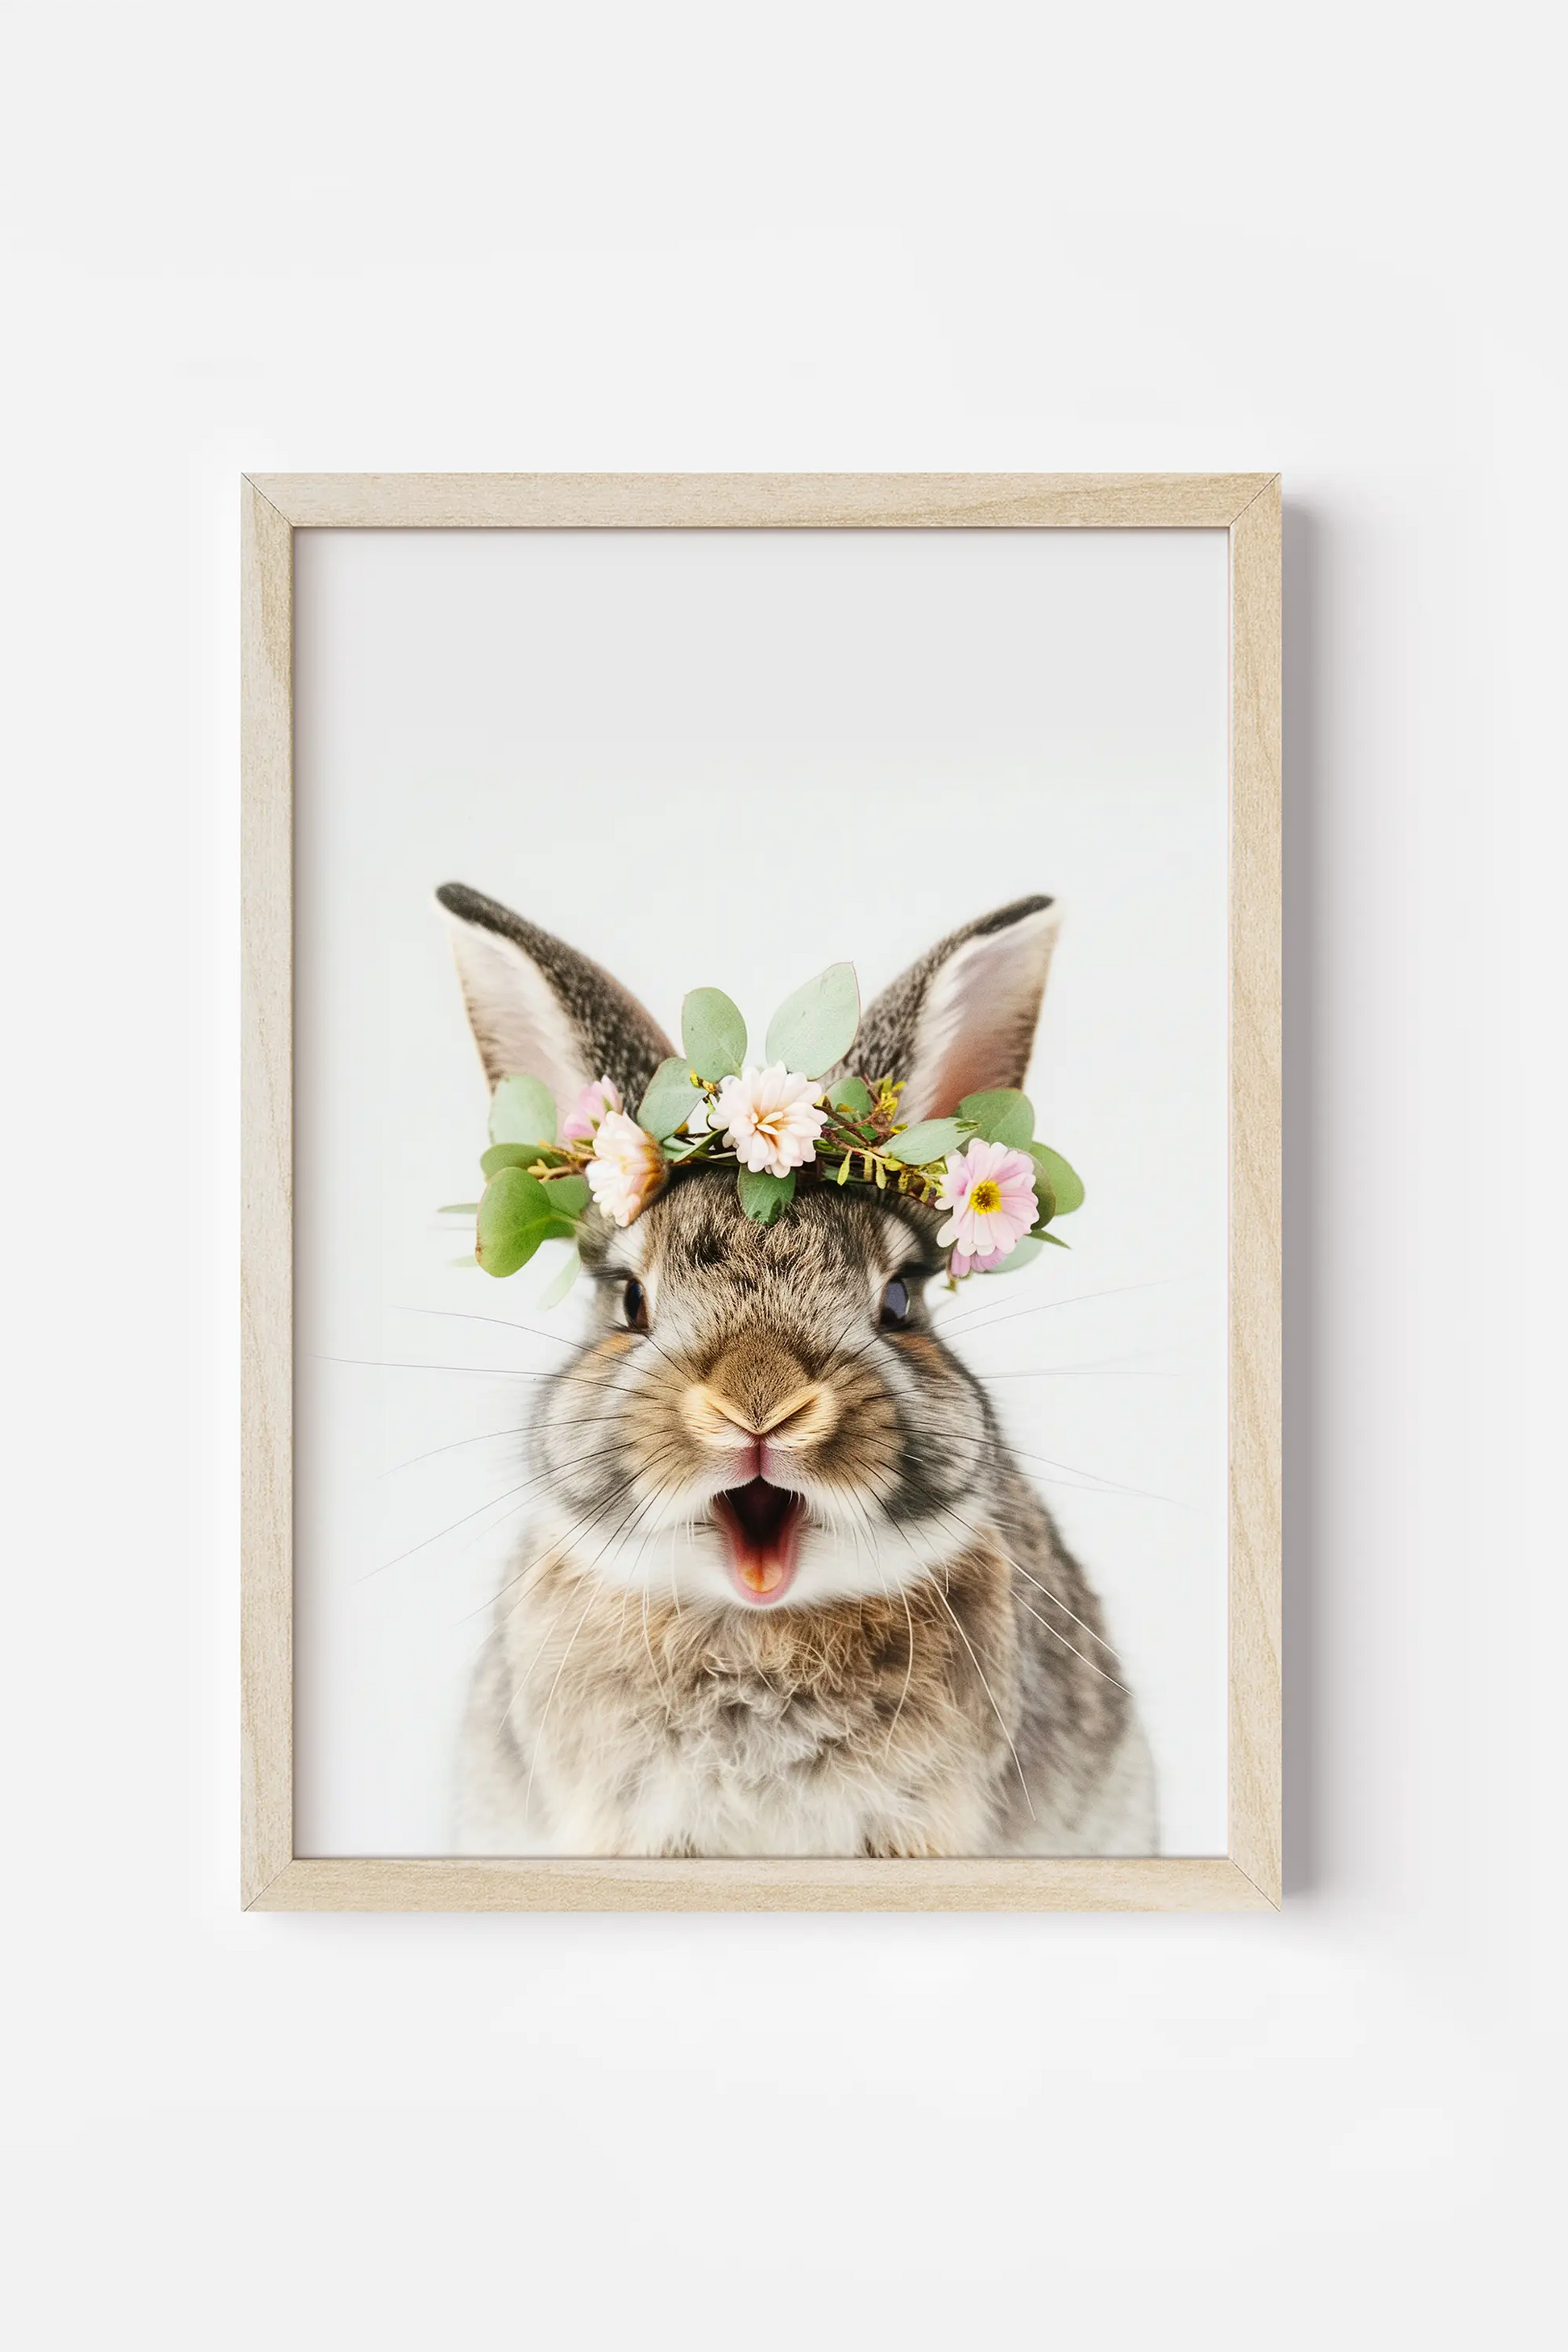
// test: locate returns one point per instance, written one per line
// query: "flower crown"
(777, 1125)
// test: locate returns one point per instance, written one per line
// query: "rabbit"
(787, 1592)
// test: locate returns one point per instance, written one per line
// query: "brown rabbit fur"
(933, 1678)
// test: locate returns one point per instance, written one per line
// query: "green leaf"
(524, 1111)
(508, 1155)
(1001, 1115)
(1065, 1182)
(1055, 1240)
(567, 1195)
(851, 1095)
(516, 1215)
(1045, 1203)
(713, 1034)
(554, 1292)
(763, 1196)
(521, 1155)
(670, 1098)
(931, 1139)
(815, 1026)
(459, 1209)
(1019, 1255)
(512, 1219)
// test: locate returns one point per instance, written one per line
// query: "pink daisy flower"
(959, 1264)
(989, 1192)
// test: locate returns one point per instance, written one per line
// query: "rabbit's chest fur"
(865, 1728)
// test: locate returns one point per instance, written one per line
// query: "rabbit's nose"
(796, 1418)
(788, 1412)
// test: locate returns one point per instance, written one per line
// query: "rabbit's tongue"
(760, 1524)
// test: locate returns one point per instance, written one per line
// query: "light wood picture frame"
(1247, 506)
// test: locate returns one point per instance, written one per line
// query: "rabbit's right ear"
(536, 1006)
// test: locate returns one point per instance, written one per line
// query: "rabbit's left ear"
(536, 1006)
(962, 1018)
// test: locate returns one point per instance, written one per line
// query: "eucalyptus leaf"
(567, 1195)
(1045, 1202)
(1055, 1240)
(763, 1196)
(1020, 1255)
(713, 1034)
(851, 1095)
(1001, 1115)
(508, 1155)
(1065, 1182)
(932, 1139)
(512, 1219)
(670, 1098)
(522, 1111)
(556, 1290)
(815, 1026)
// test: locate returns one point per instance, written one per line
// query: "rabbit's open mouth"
(760, 1523)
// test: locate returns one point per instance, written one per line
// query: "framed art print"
(760, 1192)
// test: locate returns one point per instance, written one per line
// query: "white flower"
(769, 1119)
(626, 1169)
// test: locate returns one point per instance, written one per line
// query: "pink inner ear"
(977, 1025)
(962, 1072)
(973, 1064)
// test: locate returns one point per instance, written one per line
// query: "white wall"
(838, 236)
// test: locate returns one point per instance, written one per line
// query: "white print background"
(731, 758)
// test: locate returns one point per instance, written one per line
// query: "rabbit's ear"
(536, 1006)
(962, 1018)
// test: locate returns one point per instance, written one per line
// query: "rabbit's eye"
(895, 1303)
(634, 1307)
